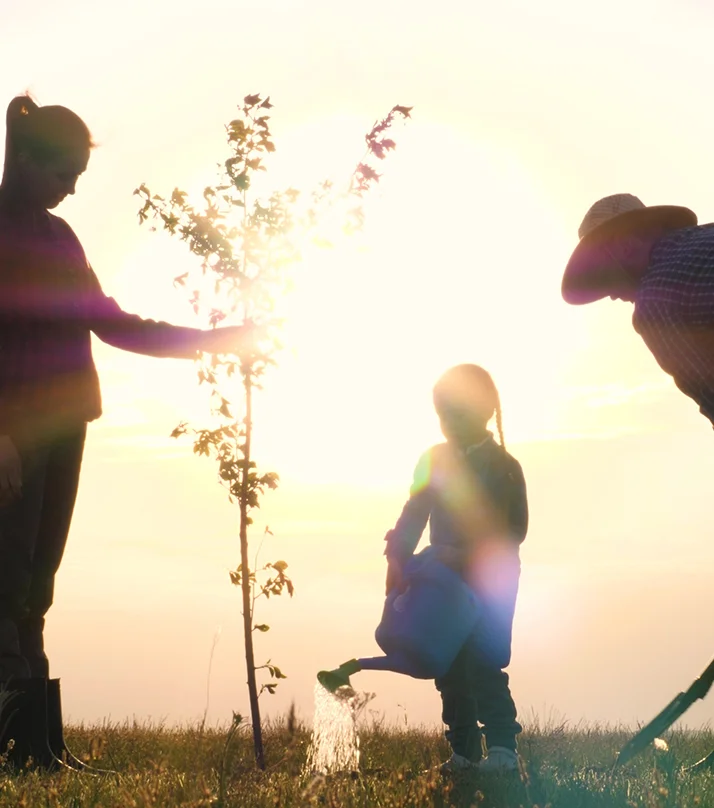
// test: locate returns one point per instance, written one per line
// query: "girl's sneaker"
(499, 759)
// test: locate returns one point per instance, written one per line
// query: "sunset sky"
(523, 116)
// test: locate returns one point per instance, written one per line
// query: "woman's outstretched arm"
(129, 332)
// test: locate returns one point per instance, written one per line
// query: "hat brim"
(585, 279)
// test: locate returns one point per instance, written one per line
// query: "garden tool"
(677, 707)
(705, 764)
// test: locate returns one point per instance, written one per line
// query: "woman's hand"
(241, 340)
(10, 471)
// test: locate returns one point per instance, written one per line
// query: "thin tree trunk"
(246, 584)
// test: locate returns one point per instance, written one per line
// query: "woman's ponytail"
(17, 117)
(43, 133)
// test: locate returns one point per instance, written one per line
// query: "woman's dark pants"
(33, 535)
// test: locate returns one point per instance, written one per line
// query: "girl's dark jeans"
(33, 535)
(475, 695)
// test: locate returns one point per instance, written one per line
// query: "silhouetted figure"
(472, 493)
(660, 260)
(50, 304)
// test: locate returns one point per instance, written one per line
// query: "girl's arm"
(403, 538)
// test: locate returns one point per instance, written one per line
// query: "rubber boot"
(23, 720)
(55, 733)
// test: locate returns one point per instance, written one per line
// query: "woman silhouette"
(50, 304)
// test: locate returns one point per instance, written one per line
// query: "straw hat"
(586, 279)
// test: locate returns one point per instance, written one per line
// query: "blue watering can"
(422, 629)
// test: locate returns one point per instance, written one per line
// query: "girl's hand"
(395, 577)
(10, 471)
(452, 556)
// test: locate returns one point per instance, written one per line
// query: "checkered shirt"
(674, 311)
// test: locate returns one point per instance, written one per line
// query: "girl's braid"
(499, 416)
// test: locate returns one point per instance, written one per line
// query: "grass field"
(186, 768)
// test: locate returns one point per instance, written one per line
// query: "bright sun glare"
(373, 321)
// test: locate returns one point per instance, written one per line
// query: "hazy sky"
(523, 116)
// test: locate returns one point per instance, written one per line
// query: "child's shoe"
(458, 764)
(499, 759)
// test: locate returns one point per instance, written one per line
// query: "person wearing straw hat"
(658, 258)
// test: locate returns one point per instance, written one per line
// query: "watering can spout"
(395, 661)
(339, 677)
